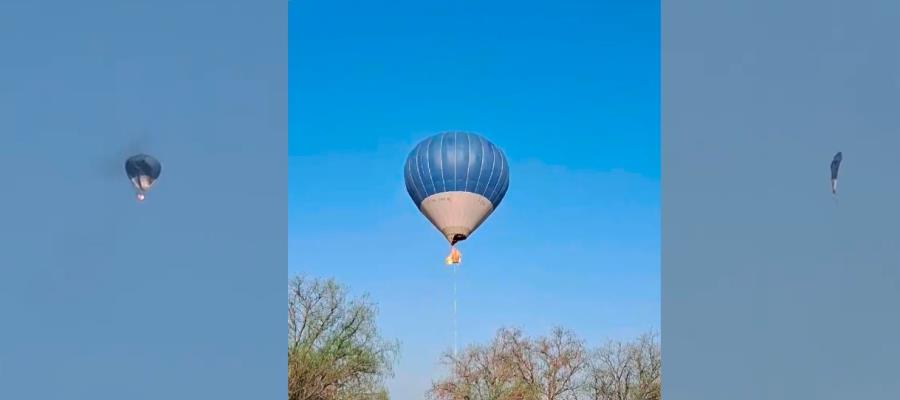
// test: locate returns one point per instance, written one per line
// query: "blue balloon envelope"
(457, 180)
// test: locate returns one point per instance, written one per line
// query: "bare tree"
(513, 367)
(335, 351)
(554, 367)
(482, 372)
(626, 371)
(563, 360)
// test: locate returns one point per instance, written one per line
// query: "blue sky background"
(569, 90)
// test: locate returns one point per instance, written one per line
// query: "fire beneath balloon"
(454, 257)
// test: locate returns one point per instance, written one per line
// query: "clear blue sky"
(569, 89)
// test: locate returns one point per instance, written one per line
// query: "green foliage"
(335, 351)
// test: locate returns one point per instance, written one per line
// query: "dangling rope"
(453, 260)
(455, 326)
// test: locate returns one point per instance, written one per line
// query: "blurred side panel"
(773, 288)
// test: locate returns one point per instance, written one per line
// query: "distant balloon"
(142, 171)
(457, 180)
(835, 165)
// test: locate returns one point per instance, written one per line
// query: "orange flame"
(454, 257)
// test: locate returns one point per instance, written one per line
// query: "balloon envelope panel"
(142, 165)
(836, 164)
(457, 161)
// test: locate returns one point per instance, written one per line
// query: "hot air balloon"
(456, 179)
(142, 171)
(835, 165)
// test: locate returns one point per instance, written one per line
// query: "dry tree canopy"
(335, 351)
(555, 367)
